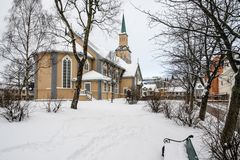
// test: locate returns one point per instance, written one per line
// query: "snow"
(130, 69)
(176, 89)
(93, 75)
(61, 45)
(102, 52)
(152, 87)
(97, 130)
(179, 151)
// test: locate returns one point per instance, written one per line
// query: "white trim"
(65, 57)
(90, 86)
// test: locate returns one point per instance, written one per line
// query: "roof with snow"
(149, 86)
(129, 69)
(93, 75)
(176, 89)
(62, 46)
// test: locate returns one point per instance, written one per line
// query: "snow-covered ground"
(97, 130)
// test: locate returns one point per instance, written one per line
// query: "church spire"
(123, 50)
(123, 29)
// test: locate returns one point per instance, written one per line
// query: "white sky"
(137, 29)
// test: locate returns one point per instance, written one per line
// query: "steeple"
(123, 50)
(123, 29)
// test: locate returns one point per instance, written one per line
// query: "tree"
(114, 72)
(27, 34)
(90, 13)
(224, 25)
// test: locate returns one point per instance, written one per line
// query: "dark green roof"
(123, 29)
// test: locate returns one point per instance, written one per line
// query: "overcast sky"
(138, 32)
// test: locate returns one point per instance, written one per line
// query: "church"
(57, 70)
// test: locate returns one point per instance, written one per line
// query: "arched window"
(66, 72)
(86, 66)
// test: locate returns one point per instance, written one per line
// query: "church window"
(109, 87)
(105, 87)
(66, 72)
(86, 66)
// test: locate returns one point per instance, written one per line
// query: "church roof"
(93, 75)
(130, 69)
(123, 29)
(61, 45)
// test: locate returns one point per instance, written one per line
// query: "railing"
(87, 93)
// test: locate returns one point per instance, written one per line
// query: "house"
(226, 79)
(155, 85)
(56, 75)
(149, 90)
(214, 90)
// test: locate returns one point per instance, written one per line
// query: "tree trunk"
(187, 97)
(77, 88)
(191, 99)
(233, 112)
(203, 105)
(112, 92)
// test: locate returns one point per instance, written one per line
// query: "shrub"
(53, 105)
(167, 110)
(155, 104)
(219, 151)
(13, 109)
(183, 115)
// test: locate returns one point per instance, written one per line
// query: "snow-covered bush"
(53, 105)
(167, 110)
(219, 151)
(13, 109)
(155, 104)
(183, 115)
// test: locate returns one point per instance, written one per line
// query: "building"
(155, 85)
(57, 71)
(214, 90)
(149, 90)
(226, 80)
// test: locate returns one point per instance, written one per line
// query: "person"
(128, 95)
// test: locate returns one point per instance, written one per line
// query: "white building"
(226, 80)
(149, 90)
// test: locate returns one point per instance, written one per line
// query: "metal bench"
(191, 153)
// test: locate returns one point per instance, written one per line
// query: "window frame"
(84, 83)
(70, 80)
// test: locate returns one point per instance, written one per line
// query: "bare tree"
(89, 13)
(224, 24)
(27, 34)
(223, 15)
(114, 73)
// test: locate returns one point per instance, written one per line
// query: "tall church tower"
(123, 50)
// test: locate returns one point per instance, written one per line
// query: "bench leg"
(163, 150)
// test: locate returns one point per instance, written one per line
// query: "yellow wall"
(43, 76)
(125, 83)
(123, 40)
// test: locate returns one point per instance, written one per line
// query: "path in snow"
(98, 130)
